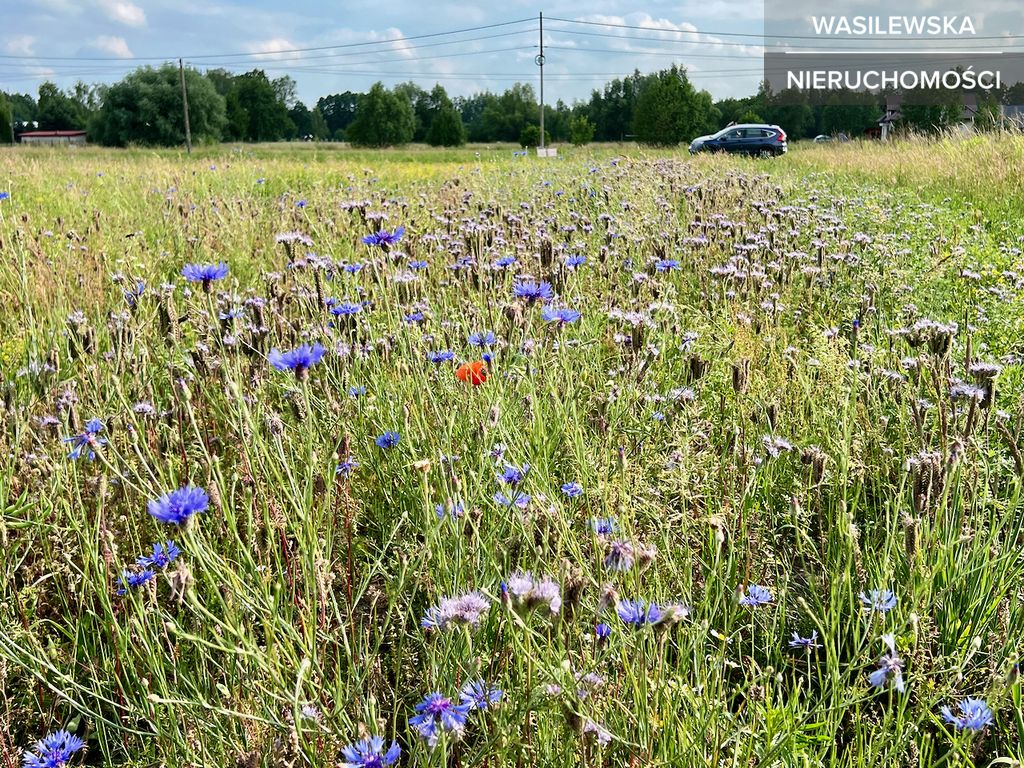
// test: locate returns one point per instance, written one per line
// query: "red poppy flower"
(474, 373)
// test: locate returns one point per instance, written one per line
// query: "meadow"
(462, 458)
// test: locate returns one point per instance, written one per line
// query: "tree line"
(660, 109)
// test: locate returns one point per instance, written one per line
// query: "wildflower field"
(470, 459)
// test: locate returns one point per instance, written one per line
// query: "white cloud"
(20, 45)
(275, 48)
(124, 12)
(115, 46)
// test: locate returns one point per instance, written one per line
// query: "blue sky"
(100, 40)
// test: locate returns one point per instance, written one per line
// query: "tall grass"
(751, 394)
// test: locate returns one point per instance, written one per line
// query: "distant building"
(68, 138)
(894, 112)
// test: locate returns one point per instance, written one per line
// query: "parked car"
(746, 139)
(822, 139)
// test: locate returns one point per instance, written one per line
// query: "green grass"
(301, 587)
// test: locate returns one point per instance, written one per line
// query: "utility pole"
(184, 101)
(540, 63)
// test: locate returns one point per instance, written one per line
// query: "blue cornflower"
(513, 475)
(572, 490)
(521, 500)
(620, 556)
(131, 580)
(345, 468)
(638, 613)
(480, 695)
(231, 314)
(603, 631)
(354, 267)
(356, 391)
(178, 506)
(301, 203)
(438, 713)
(298, 360)
(388, 440)
(452, 509)
(133, 294)
(482, 339)
(505, 261)
(4, 195)
(415, 317)
(53, 752)
(806, 643)
(889, 664)
(383, 238)
(533, 291)
(755, 595)
(880, 600)
(440, 357)
(87, 441)
(603, 526)
(561, 316)
(346, 309)
(664, 265)
(575, 261)
(369, 753)
(974, 715)
(163, 555)
(417, 265)
(204, 273)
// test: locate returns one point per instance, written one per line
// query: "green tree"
(302, 119)
(446, 129)
(383, 118)
(750, 116)
(59, 111)
(6, 121)
(23, 110)
(669, 109)
(530, 136)
(146, 108)
(255, 110)
(581, 131)
(791, 110)
(505, 117)
(338, 111)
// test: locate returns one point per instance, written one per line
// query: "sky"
(358, 42)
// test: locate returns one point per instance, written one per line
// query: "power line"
(268, 53)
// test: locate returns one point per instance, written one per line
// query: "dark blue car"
(747, 139)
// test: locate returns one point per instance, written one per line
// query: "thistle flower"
(87, 441)
(524, 590)
(298, 360)
(480, 695)
(889, 665)
(178, 506)
(754, 596)
(878, 600)
(163, 555)
(437, 713)
(468, 609)
(53, 751)
(974, 715)
(368, 753)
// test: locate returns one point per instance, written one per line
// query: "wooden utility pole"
(184, 101)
